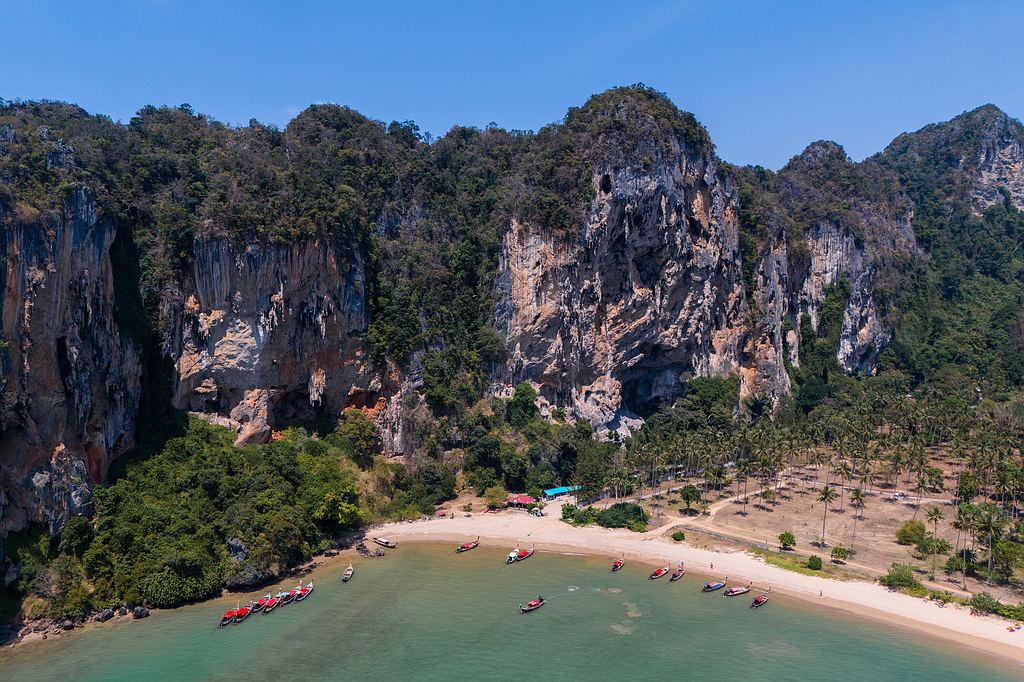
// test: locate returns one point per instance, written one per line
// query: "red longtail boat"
(657, 573)
(304, 591)
(532, 605)
(243, 613)
(261, 604)
(228, 617)
(466, 546)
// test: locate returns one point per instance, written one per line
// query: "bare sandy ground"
(871, 600)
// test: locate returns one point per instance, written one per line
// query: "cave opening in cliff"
(606, 183)
(639, 398)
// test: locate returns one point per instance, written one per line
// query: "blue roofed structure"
(558, 492)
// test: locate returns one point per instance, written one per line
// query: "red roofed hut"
(520, 500)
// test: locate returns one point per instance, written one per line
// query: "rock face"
(854, 245)
(607, 322)
(263, 335)
(70, 379)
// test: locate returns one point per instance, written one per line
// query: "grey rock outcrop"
(607, 321)
(261, 335)
(70, 378)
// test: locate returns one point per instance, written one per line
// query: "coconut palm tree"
(828, 496)
(934, 516)
(989, 527)
(858, 499)
(842, 473)
(966, 521)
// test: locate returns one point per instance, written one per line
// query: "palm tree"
(842, 473)
(858, 499)
(966, 520)
(990, 526)
(828, 496)
(934, 516)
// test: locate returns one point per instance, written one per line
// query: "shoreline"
(869, 601)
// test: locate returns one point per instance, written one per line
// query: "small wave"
(573, 588)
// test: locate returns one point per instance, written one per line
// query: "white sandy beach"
(549, 533)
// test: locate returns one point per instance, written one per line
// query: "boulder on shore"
(140, 612)
(105, 615)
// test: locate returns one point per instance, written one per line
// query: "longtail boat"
(466, 546)
(228, 617)
(347, 575)
(518, 555)
(759, 601)
(384, 542)
(658, 572)
(243, 613)
(678, 573)
(617, 565)
(288, 597)
(261, 604)
(711, 587)
(532, 605)
(304, 591)
(736, 591)
(272, 604)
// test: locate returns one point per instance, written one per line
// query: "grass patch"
(798, 564)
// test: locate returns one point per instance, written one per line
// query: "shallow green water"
(424, 613)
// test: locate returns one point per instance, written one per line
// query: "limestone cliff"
(610, 321)
(70, 379)
(266, 335)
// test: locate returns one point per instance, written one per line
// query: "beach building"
(521, 500)
(554, 493)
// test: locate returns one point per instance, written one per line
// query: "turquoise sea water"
(425, 613)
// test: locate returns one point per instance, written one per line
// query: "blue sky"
(765, 78)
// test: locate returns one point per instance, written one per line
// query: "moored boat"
(532, 605)
(678, 573)
(228, 617)
(272, 604)
(288, 597)
(759, 601)
(736, 591)
(384, 542)
(261, 604)
(711, 587)
(466, 546)
(347, 575)
(518, 555)
(658, 572)
(617, 565)
(304, 591)
(243, 613)
(524, 554)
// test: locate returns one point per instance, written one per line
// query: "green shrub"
(840, 554)
(623, 515)
(679, 536)
(983, 602)
(911, 533)
(814, 562)
(787, 540)
(901, 577)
